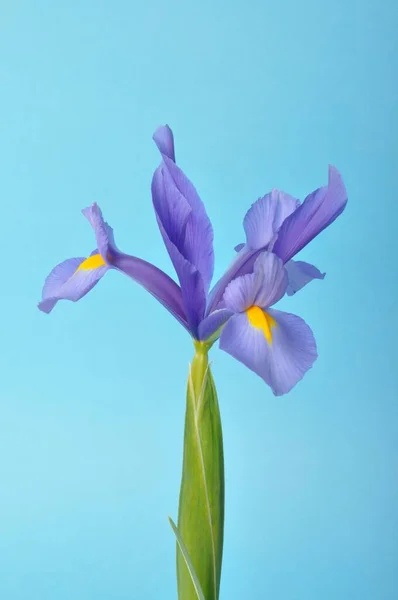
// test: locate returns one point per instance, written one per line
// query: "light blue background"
(260, 94)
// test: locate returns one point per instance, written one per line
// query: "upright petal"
(103, 232)
(265, 217)
(282, 362)
(316, 213)
(299, 274)
(71, 280)
(164, 139)
(173, 213)
(196, 243)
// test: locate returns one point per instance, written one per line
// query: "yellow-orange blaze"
(92, 262)
(262, 320)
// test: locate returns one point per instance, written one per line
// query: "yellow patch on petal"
(92, 262)
(261, 320)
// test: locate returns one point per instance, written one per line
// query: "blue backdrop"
(260, 94)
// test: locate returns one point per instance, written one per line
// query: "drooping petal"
(281, 362)
(265, 217)
(155, 281)
(264, 287)
(164, 139)
(103, 232)
(299, 274)
(316, 213)
(195, 241)
(213, 322)
(71, 280)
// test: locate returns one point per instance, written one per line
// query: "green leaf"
(188, 561)
(201, 508)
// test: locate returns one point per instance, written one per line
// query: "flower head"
(277, 346)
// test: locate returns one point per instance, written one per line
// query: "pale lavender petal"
(264, 287)
(283, 362)
(164, 139)
(67, 282)
(103, 232)
(273, 279)
(213, 322)
(60, 274)
(242, 264)
(241, 292)
(292, 353)
(316, 213)
(265, 217)
(299, 274)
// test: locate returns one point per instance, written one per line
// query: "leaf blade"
(188, 561)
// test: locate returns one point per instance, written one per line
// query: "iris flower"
(279, 347)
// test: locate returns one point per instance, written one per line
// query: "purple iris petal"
(262, 222)
(265, 217)
(300, 273)
(213, 322)
(264, 287)
(242, 264)
(164, 139)
(186, 230)
(164, 196)
(283, 362)
(103, 232)
(277, 346)
(196, 232)
(198, 241)
(67, 282)
(316, 213)
(293, 225)
(155, 281)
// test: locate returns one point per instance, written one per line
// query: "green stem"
(201, 509)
